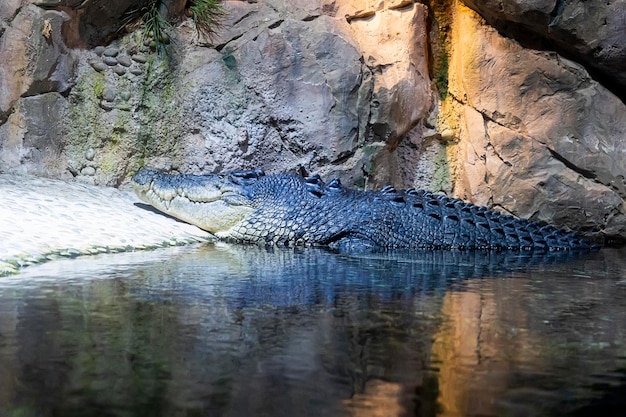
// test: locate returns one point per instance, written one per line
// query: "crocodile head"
(214, 202)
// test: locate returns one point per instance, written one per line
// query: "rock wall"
(517, 108)
(537, 136)
(590, 32)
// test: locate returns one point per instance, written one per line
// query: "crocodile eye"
(246, 177)
(314, 179)
(248, 174)
(314, 189)
(334, 185)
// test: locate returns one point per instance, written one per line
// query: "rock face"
(546, 144)
(590, 32)
(304, 90)
(394, 91)
(284, 85)
(36, 69)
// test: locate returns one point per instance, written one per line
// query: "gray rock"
(136, 70)
(98, 66)
(35, 134)
(538, 136)
(109, 93)
(33, 62)
(593, 33)
(88, 171)
(49, 3)
(124, 107)
(106, 105)
(97, 22)
(119, 70)
(110, 61)
(140, 58)
(90, 154)
(124, 60)
(291, 85)
(98, 50)
(111, 52)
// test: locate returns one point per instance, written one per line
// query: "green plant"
(206, 15)
(441, 75)
(155, 17)
(155, 27)
(441, 12)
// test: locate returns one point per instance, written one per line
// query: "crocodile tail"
(465, 225)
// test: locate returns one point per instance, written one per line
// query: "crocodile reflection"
(230, 330)
(304, 276)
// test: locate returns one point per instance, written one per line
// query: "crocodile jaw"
(215, 213)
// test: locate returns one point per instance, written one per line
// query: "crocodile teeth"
(166, 194)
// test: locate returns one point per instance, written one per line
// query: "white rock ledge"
(43, 219)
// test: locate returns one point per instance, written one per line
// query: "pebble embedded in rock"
(110, 61)
(136, 71)
(125, 95)
(447, 134)
(106, 105)
(98, 66)
(108, 94)
(88, 171)
(140, 58)
(119, 70)
(90, 154)
(124, 60)
(111, 52)
(98, 50)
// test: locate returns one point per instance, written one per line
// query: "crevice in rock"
(242, 18)
(310, 18)
(11, 18)
(491, 118)
(380, 68)
(368, 99)
(276, 24)
(556, 12)
(486, 121)
(363, 15)
(343, 157)
(438, 24)
(502, 209)
(584, 172)
(221, 46)
(405, 4)
(4, 116)
(285, 130)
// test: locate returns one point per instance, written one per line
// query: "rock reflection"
(241, 331)
(532, 345)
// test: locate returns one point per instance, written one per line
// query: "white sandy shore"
(42, 219)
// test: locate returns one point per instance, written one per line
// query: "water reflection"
(241, 331)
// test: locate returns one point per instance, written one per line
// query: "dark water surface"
(245, 331)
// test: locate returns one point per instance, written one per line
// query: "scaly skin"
(250, 207)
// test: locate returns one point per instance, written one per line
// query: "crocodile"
(282, 209)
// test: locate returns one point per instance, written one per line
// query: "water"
(245, 331)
